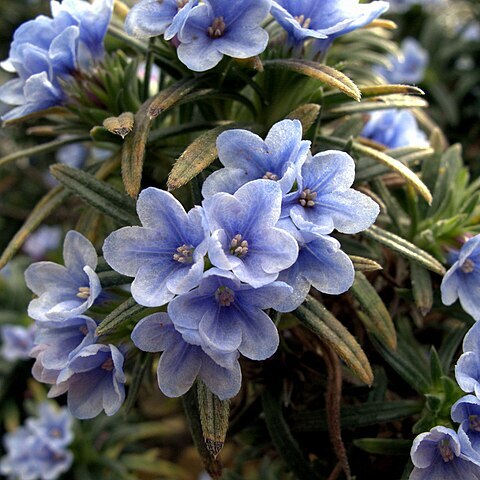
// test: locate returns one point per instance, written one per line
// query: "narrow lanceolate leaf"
(142, 364)
(381, 102)
(214, 415)
(122, 314)
(405, 248)
(421, 287)
(362, 264)
(42, 148)
(133, 151)
(384, 446)
(196, 158)
(320, 321)
(382, 23)
(396, 166)
(381, 323)
(283, 440)
(357, 416)
(100, 195)
(324, 73)
(374, 90)
(307, 115)
(43, 209)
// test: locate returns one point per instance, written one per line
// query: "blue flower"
(30, 458)
(409, 67)
(229, 315)
(94, 380)
(247, 157)
(466, 411)
(56, 342)
(462, 280)
(45, 239)
(182, 362)
(149, 18)
(320, 264)
(222, 27)
(467, 370)
(244, 237)
(323, 20)
(437, 455)
(64, 291)
(165, 255)
(17, 341)
(73, 155)
(324, 197)
(53, 425)
(394, 129)
(46, 49)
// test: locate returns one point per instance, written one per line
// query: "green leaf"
(307, 114)
(421, 287)
(404, 248)
(43, 148)
(283, 440)
(214, 415)
(122, 314)
(142, 364)
(196, 158)
(436, 370)
(320, 321)
(375, 90)
(450, 344)
(42, 210)
(110, 278)
(362, 264)
(170, 96)
(357, 416)
(381, 324)
(384, 446)
(324, 73)
(100, 195)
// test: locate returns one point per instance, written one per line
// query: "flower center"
(181, 3)
(304, 22)
(307, 198)
(184, 254)
(270, 176)
(474, 422)
(108, 364)
(468, 266)
(55, 433)
(217, 29)
(224, 296)
(83, 292)
(238, 246)
(446, 451)
(84, 329)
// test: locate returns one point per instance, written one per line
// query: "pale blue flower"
(222, 27)
(29, 457)
(165, 255)
(321, 264)
(64, 291)
(45, 50)
(324, 20)
(43, 240)
(324, 198)
(150, 18)
(467, 369)
(182, 362)
(17, 341)
(409, 67)
(244, 238)
(94, 381)
(466, 411)
(229, 315)
(394, 129)
(247, 157)
(462, 280)
(56, 342)
(54, 425)
(438, 455)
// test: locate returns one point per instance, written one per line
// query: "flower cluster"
(38, 450)
(260, 239)
(68, 355)
(442, 452)
(46, 50)
(206, 31)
